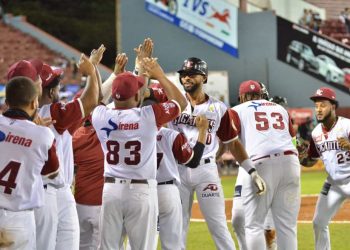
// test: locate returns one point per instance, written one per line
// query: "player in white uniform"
(238, 221)
(330, 142)
(204, 180)
(128, 138)
(173, 148)
(67, 119)
(27, 153)
(266, 131)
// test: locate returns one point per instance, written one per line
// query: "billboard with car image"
(314, 54)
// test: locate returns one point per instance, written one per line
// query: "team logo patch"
(319, 92)
(211, 108)
(211, 187)
(238, 191)
(109, 130)
(2, 136)
(213, 191)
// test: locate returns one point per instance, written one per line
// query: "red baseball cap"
(325, 93)
(48, 74)
(126, 85)
(27, 68)
(250, 87)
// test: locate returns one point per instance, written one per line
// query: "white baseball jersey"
(219, 125)
(128, 138)
(324, 144)
(27, 153)
(68, 118)
(266, 126)
(172, 148)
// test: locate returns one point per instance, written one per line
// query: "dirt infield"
(306, 213)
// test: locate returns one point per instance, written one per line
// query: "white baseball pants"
(89, 218)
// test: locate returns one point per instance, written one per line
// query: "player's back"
(24, 149)
(128, 139)
(264, 127)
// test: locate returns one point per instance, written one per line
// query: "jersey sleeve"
(166, 112)
(158, 93)
(236, 122)
(67, 116)
(226, 131)
(51, 165)
(182, 151)
(312, 150)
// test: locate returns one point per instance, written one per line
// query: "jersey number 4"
(9, 184)
(262, 123)
(113, 148)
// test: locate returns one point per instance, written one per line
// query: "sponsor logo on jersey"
(238, 191)
(256, 105)
(212, 187)
(328, 146)
(108, 130)
(191, 121)
(14, 139)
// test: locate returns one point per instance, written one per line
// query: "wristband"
(248, 165)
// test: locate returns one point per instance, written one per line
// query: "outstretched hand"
(96, 55)
(144, 50)
(152, 68)
(45, 121)
(344, 143)
(85, 66)
(120, 62)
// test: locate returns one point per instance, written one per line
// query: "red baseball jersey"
(27, 154)
(68, 118)
(88, 160)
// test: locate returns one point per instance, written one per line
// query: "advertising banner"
(212, 21)
(314, 54)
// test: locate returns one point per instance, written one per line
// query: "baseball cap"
(325, 93)
(249, 86)
(126, 85)
(27, 68)
(48, 74)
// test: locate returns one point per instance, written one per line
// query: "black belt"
(132, 181)
(166, 182)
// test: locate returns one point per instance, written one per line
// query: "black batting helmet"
(194, 65)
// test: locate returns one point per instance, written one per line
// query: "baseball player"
(52, 220)
(128, 138)
(266, 131)
(173, 148)
(204, 180)
(238, 221)
(27, 153)
(330, 142)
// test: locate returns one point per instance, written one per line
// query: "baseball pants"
(282, 176)
(20, 227)
(133, 207)
(89, 217)
(238, 221)
(68, 224)
(205, 181)
(329, 201)
(170, 217)
(46, 220)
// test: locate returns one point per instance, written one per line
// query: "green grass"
(199, 237)
(312, 182)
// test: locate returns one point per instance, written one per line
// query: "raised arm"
(89, 97)
(120, 63)
(95, 59)
(153, 70)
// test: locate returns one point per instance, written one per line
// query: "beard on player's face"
(192, 83)
(324, 116)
